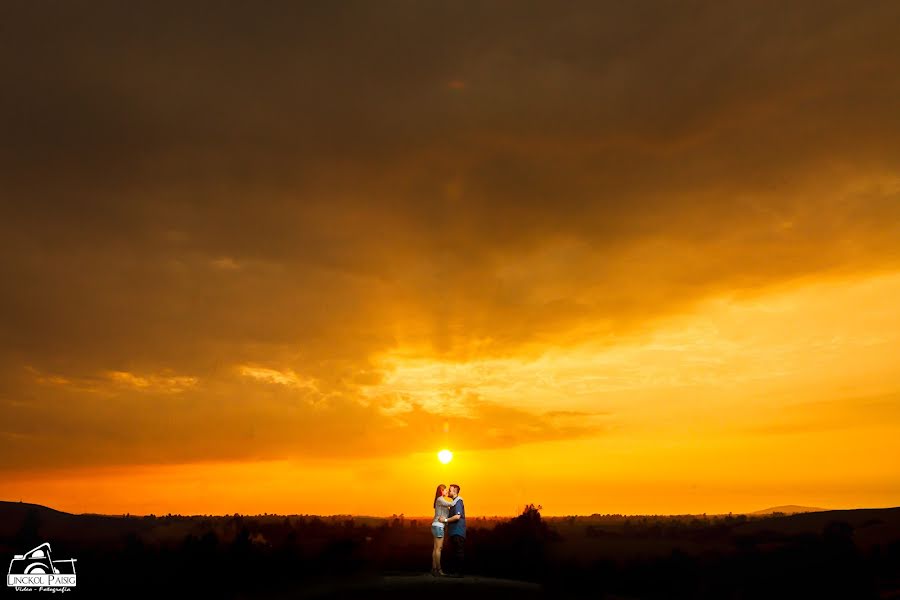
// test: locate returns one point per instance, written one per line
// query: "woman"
(441, 511)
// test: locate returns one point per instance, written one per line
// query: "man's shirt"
(457, 527)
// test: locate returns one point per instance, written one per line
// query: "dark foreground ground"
(423, 586)
(851, 554)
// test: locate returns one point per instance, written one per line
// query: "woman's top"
(442, 509)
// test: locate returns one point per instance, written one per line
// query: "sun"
(445, 456)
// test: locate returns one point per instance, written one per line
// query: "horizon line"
(760, 512)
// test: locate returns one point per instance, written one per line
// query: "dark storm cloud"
(305, 186)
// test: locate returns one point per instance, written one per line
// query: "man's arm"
(460, 511)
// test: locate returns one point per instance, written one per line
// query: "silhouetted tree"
(518, 546)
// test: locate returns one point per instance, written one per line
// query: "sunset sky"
(633, 257)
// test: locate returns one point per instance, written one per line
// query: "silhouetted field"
(832, 554)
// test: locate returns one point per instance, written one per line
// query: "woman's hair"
(439, 492)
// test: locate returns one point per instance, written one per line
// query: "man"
(456, 530)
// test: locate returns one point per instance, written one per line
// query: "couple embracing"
(449, 521)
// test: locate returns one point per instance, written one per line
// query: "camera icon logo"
(36, 568)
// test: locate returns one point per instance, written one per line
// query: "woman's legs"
(438, 534)
(439, 544)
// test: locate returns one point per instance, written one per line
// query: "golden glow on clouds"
(286, 377)
(743, 403)
(109, 381)
(171, 384)
(814, 339)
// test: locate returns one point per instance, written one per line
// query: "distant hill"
(12, 513)
(59, 524)
(788, 509)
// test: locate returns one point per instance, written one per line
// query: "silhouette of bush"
(515, 548)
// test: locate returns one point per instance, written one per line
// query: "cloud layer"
(216, 223)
